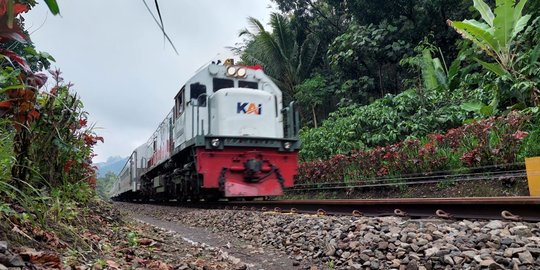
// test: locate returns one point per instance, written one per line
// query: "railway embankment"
(339, 242)
(100, 237)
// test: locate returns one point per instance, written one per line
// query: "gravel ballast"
(329, 242)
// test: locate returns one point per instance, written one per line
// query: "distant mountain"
(113, 164)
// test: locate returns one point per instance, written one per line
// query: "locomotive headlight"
(241, 72)
(231, 71)
(215, 143)
(287, 145)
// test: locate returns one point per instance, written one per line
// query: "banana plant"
(496, 34)
(436, 75)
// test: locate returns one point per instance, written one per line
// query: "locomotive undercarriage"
(176, 179)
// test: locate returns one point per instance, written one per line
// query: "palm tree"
(283, 58)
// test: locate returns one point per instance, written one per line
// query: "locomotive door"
(179, 123)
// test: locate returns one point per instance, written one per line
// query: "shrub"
(488, 142)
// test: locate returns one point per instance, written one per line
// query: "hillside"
(113, 164)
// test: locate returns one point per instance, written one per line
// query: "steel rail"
(509, 208)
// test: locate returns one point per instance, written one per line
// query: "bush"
(492, 141)
(411, 114)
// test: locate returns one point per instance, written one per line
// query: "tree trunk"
(314, 116)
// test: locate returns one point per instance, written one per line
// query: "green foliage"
(6, 150)
(286, 59)
(104, 185)
(53, 6)
(500, 36)
(63, 134)
(390, 119)
(311, 94)
(494, 142)
(497, 33)
(531, 143)
(368, 50)
(133, 239)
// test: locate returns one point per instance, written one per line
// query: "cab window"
(246, 84)
(196, 92)
(222, 83)
(179, 103)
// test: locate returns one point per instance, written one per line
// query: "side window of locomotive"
(246, 84)
(196, 93)
(222, 83)
(179, 102)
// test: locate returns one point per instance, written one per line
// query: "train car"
(227, 136)
(127, 185)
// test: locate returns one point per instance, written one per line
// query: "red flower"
(520, 135)
(83, 122)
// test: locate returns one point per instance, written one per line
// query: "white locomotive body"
(224, 137)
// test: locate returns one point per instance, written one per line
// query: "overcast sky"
(115, 55)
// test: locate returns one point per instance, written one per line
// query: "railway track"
(507, 208)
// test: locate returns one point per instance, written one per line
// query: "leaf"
(53, 6)
(495, 68)
(12, 56)
(484, 10)
(518, 9)
(534, 55)
(13, 33)
(472, 106)
(479, 36)
(504, 22)
(520, 25)
(486, 110)
(112, 264)
(428, 71)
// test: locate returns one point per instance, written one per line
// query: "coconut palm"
(286, 60)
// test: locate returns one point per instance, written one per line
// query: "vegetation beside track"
(439, 101)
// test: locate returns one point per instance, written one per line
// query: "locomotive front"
(245, 151)
(227, 135)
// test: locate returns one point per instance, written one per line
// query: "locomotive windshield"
(222, 83)
(246, 84)
(197, 90)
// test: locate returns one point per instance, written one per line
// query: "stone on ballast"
(495, 266)
(412, 265)
(509, 252)
(494, 224)
(457, 260)
(422, 242)
(533, 250)
(16, 261)
(526, 257)
(3, 246)
(486, 263)
(448, 259)
(395, 263)
(414, 256)
(431, 251)
(374, 265)
(363, 257)
(522, 231)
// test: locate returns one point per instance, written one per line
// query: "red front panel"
(230, 165)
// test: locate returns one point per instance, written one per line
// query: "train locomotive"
(227, 136)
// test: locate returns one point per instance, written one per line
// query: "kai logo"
(248, 108)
